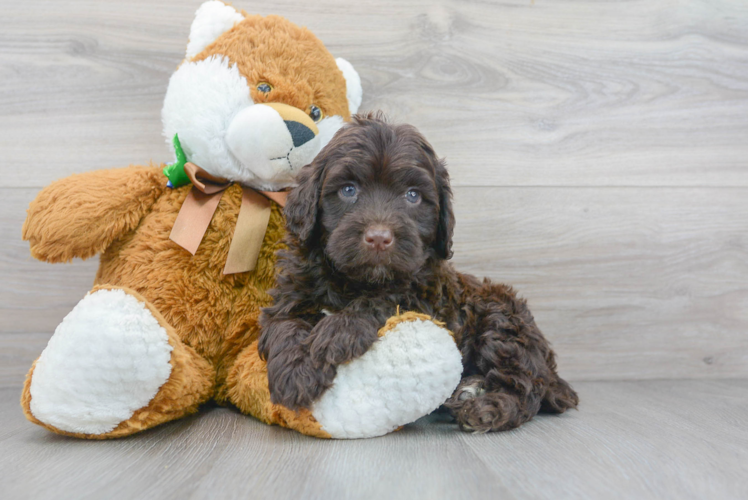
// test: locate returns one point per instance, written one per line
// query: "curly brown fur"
(355, 255)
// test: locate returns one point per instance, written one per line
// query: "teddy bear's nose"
(272, 140)
(299, 124)
(300, 133)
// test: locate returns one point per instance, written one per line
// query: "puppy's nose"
(378, 237)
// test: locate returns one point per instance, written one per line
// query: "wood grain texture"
(517, 92)
(638, 440)
(627, 283)
(599, 156)
(607, 139)
(17, 352)
(34, 296)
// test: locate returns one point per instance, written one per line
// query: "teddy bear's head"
(256, 98)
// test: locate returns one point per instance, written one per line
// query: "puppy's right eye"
(348, 191)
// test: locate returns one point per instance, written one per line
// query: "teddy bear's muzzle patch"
(273, 140)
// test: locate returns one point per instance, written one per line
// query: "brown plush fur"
(126, 215)
(361, 181)
(81, 215)
(248, 390)
(279, 53)
(212, 316)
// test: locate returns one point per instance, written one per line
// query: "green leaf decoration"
(175, 172)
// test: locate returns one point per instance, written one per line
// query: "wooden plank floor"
(597, 150)
(638, 440)
(599, 160)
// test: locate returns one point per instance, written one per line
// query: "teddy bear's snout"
(273, 140)
(300, 133)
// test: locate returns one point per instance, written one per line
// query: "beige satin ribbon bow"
(200, 205)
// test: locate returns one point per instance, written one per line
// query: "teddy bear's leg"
(248, 390)
(409, 372)
(114, 367)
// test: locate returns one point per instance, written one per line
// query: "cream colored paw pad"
(107, 359)
(405, 375)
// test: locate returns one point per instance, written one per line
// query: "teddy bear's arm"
(81, 215)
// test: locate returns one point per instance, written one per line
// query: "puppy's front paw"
(296, 381)
(340, 338)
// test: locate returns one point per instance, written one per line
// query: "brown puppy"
(370, 230)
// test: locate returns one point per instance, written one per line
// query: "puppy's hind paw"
(478, 411)
(469, 388)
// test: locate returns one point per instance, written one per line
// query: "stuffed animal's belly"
(213, 312)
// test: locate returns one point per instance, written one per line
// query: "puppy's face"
(379, 210)
(376, 201)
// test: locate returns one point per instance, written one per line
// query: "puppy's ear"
(303, 202)
(445, 227)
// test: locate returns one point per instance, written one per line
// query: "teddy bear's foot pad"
(406, 374)
(107, 359)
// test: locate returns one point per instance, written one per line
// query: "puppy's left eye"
(348, 191)
(413, 196)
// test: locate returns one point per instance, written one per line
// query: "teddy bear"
(187, 254)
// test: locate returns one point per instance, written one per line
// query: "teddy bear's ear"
(212, 19)
(354, 92)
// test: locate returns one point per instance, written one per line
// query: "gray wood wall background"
(598, 151)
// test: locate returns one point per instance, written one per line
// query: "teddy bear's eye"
(315, 113)
(264, 87)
